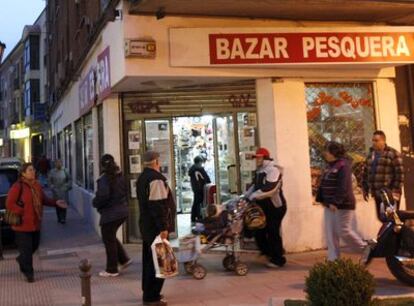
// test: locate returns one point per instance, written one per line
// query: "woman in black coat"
(111, 202)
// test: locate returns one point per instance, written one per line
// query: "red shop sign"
(315, 47)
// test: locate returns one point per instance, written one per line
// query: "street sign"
(140, 48)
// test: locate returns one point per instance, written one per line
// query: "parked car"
(13, 162)
(8, 175)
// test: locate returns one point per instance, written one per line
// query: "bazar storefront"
(219, 88)
(217, 122)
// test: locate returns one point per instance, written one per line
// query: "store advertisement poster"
(248, 137)
(248, 163)
(135, 164)
(134, 140)
(133, 188)
(162, 146)
(157, 130)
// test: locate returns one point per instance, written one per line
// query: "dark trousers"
(378, 208)
(151, 286)
(196, 208)
(115, 252)
(268, 239)
(27, 244)
(61, 214)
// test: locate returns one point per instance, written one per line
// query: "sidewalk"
(63, 246)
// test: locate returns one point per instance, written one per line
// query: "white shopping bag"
(165, 262)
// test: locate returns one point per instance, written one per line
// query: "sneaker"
(107, 274)
(161, 302)
(125, 265)
(272, 265)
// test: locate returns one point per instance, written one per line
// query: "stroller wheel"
(188, 266)
(241, 268)
(228, 262)
(199, 272)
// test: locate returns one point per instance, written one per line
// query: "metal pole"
(1, 240)
(85, 275)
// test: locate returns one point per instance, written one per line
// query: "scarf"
(37, 204)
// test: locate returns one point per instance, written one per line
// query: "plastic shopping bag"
(165, 262)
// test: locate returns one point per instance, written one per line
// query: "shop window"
(59, 145)
(88, 151)
(342, 112)
(68, 148)
(101, 138)
(79, 151)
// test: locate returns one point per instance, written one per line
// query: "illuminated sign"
(20, 133)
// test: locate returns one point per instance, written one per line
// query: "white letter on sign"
(402, 46)
(222, 48)
(308, 44)
(237, 49)
(266, 49)
(252, 45)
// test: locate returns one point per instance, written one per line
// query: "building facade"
(23, 84)
(220, 87)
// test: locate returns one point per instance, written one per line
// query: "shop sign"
(146, 107)
(96, 85)
(140, 48)
(20, 133)
(298, 46)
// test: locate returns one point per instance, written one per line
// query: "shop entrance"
(215, 121)
(223, 140)
(208, 136)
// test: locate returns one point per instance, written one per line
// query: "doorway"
(224, 141)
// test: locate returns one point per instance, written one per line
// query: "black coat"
(156, 204)
(111, 199)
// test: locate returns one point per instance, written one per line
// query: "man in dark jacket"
(157, 217)
(383, 169)
(199, 178)
(266, 190)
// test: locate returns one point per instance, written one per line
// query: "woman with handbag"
(24, 204)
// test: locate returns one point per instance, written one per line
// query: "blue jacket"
(336, 185)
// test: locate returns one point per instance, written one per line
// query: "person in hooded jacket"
(266, 191)
(111, 202)
(26, 198)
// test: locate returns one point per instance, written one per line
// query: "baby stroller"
(223, 228)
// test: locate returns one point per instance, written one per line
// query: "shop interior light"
(1, 142)
(20, 133)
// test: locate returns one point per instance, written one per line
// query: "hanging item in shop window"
(344, 97)
(248, 137)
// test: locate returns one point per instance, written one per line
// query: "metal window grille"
(342, 112)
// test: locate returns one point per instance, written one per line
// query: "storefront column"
(112, 129)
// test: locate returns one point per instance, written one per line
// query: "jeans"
(151, 286)
(27, 244)
(338, 225)
(115, 252)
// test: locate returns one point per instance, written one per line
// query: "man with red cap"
(266, 191)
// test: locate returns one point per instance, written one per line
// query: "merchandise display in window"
(193, 136)
(341, 112)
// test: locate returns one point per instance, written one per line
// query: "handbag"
(11, 217)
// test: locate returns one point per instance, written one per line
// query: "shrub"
(339, 283)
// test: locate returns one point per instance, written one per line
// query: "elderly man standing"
(157, 217)
(60, 182)
(383, 169)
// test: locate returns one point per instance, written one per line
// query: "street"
(63, 246)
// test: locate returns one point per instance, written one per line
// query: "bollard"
(85, 275)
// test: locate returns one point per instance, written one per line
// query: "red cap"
(262, 152)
